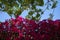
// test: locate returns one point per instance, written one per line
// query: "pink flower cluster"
(24, 29)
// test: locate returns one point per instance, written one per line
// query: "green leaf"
(18, 12)
(28, 16)
(28, 2)
(38, 15)
(38, 10)
(0, 5)
(40, 2)
(20, 1)
(33, 7)
(9, 12)
(38, 18)
(31, 13)
(33, 18)
(32, 1)
(15, 4)
(42, 13)
(54, 4)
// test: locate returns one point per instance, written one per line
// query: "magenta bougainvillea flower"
(25, 29)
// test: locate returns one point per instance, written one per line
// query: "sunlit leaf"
(29, 17)
(40, 2)
(18, 12)
(10, 12)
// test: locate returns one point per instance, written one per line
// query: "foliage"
(16, 7)
(24, 29)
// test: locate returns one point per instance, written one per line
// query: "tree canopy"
(16, 7)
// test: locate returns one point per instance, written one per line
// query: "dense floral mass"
(24, 29)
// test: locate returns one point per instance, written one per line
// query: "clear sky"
(4, 16)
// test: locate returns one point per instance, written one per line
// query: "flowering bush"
(24, 29)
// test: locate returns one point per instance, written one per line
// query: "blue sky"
(4, 16)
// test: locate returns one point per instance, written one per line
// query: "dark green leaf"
(31, 13)
(42, 13)
(38, 15)
(33, 18)
(54, 4)
(40, 10)
(33, 7)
